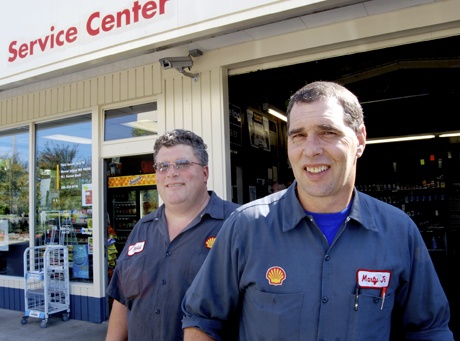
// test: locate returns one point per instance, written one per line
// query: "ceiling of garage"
(404, 90)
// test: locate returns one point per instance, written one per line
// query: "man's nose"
(312, 145)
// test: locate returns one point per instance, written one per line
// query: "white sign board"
(47, 35)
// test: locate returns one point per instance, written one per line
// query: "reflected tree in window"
(14, 186)
(64, 189)
(61, 173)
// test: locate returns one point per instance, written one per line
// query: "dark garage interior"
(404, 90)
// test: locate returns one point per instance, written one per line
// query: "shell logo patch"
(210, 242)
(275, 275)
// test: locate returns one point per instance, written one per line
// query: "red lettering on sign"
(125, 17)
(48, 42)
(94, 25)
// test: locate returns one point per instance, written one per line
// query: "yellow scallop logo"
(275, 275)
(210, 242)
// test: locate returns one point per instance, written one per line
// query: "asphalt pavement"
(56, 329)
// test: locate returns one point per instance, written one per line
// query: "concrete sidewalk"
(57, 330)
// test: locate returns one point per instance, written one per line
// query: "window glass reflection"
(132, 121)
(64, 191)
(14, 200)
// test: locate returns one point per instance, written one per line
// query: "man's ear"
(206, 174)
(362, 135)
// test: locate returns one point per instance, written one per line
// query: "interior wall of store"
(202, 105)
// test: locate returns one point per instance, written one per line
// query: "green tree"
(14, 185)
(63, 193)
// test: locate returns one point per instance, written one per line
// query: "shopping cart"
(46, 283)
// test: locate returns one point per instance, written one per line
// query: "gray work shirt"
(152, 273)
(273, 268)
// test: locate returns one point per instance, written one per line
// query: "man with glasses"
(167, 247)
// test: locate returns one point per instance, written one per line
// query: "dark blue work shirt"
(273, 268)
(152, 273)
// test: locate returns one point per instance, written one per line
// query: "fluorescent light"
(400, 139)
(68, 138)
(277, 114)
(450, 134)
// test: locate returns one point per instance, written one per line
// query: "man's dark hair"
(181, 136)
(322, 90)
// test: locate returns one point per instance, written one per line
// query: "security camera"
(178, 63)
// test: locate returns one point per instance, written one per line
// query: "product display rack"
(124, 218)
(419, 177)
(130, 197)
(426, 205)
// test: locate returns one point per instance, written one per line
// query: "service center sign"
(48, 35)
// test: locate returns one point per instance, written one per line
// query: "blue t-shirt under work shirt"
(329, 223)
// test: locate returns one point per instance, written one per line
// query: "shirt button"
(376, 300)
(327, 257)
(168, 254)
(163, 282)
(325, 299)
(157, 311)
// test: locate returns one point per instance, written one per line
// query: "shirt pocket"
(195, 261)
(278, 315)
(372, 320)
(133, 277)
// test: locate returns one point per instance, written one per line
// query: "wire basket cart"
(46, 283)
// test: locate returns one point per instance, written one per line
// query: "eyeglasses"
(163, 166)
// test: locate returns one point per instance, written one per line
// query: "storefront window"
(14, 200)
(132, 121)
(64, 191)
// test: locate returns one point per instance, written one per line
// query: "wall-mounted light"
(274, 112)
(181, 63)
(400, 139)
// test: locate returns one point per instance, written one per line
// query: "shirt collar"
(294, 213)
(215, 208)
(361, 212)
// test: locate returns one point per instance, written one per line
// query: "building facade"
(70, 87)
